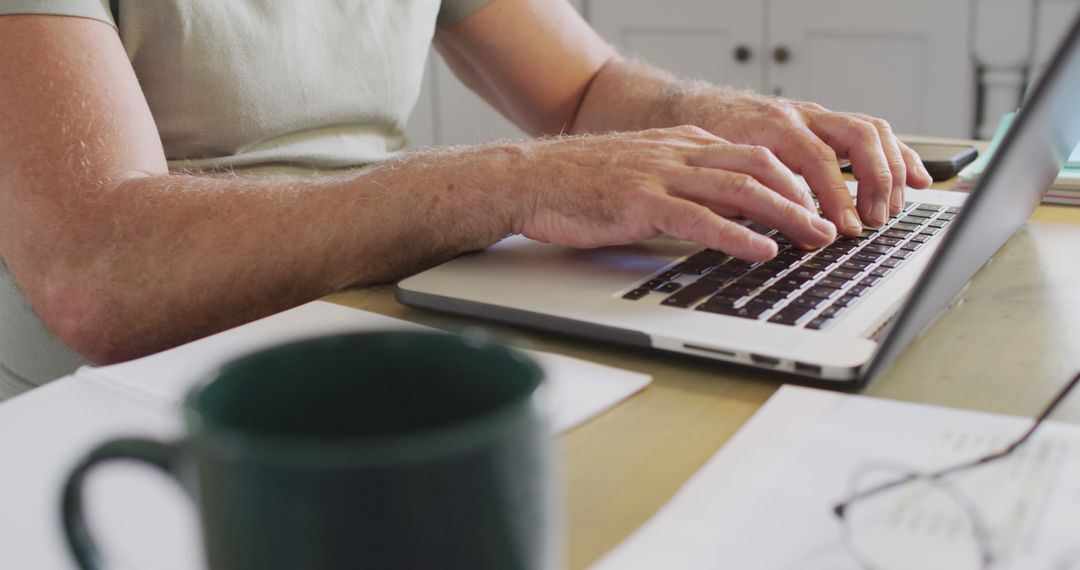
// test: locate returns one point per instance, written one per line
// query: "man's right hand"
(593, 191)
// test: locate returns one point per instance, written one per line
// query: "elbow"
(83, 316)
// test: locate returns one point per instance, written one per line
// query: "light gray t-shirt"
(317, 84)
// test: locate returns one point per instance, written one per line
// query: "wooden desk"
(1007, 348)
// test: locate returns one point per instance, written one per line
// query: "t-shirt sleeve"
(455, 10)
(93, 9)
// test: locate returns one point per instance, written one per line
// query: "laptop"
(837, 316)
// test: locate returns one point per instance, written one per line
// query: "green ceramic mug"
(365, 450)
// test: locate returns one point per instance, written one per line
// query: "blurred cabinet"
(934, 67)
(905, 61)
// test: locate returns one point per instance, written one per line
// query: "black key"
(668, 276)
(741, 288)
(886, 240)
(848, 240)
(789, 315)
(829, 256)
(822, 292)
(869, 281)
(781, 290)
(816, 264)
(691, 294)
(669, 288)
(845, 274)
(855, 265)
(653, 284)
(866, 233)
(790, 280)
(808, 303)
(919, 238)
(928, 208)
(804, 273)
(858, 290)
(769, 297)
(901, 254)
(845, 301)
(636, 294)
(754, 279)
(946, 216)
(877, 248)
(914, 219)
(910, 246)
(892, 262)
(880, 271)
(895, 234)
(867, 256)
(739, 264)
(831, 312)
(952, 210)
(725, 297)
(938, 223)
(775, 266)
(746, 311)
(817, 323)
(833, 282)
(840, 247)
(691, 268)
(708, 257)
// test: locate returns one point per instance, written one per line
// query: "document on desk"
(765, 501)
(580, 390)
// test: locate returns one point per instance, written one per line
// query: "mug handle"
(160, 455)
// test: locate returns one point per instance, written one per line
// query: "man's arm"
(121, 258)
(542, 66)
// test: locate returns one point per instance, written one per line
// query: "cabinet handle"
(781, 54)
(743, 53)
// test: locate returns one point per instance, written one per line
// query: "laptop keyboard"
(796, 288)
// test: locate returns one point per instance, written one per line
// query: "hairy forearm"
(628, 95)
(131, 268)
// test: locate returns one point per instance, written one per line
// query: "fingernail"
(881, 213)
(851, 221)
(823, 226)
(764, 246)
(897, 200)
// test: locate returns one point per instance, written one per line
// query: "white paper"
(765, 501)
(142, 518)
(579, 390)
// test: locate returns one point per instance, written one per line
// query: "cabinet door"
(905, 61)
(715, 40)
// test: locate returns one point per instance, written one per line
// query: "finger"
(809, 156)
(917, 175)
(895, 158)
(686, 220)
(762, 164)
(741, 193)
(859, 141)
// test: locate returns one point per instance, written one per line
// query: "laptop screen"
(1032, 153)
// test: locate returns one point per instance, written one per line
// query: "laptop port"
(726, 353)
(764, 360)
(804, 368)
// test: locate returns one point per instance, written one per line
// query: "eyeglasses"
(894, 514)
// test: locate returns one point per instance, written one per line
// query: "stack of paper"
(766, 500)
(1065, 190)
(143, 519)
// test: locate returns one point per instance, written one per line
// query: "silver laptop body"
(631, 294)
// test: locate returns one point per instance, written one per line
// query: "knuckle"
(742, 185)
(760, 156)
